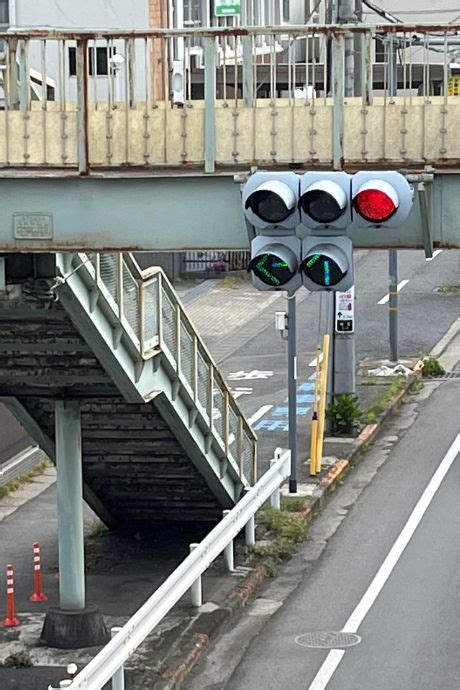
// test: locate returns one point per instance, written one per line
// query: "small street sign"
(344, 311)
(227, 8)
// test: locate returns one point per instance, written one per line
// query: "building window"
(4, 13)
(102, 61)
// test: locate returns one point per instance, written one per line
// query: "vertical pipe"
(338, 93)
(82, 109)
(292, 391)
(248, 75)
(393, 303)
(118, 678)
(196, 589)
(70, 505)
(209, 104)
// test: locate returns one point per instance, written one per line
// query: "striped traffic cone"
(10, 620)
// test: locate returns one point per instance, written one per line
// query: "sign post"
(227, 8)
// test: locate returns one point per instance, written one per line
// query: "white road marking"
(335, 656)
(260, 413)
(400, 286)
(313, 361)
(435, 254)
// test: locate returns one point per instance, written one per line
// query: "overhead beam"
(174, 213)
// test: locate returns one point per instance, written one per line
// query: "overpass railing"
(108, 663)
(213, 98)
(148, 309)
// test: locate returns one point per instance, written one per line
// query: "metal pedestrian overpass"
(162, 437)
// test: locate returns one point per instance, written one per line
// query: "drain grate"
(448, 376)
(325, 639)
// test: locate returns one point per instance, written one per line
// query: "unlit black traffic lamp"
(270, 200)
(325, 200)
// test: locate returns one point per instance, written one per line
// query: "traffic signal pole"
(342, 365)
(392, 253)
(292, 390)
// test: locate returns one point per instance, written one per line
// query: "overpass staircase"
(162, 437)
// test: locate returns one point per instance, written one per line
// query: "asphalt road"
(409, 635)
(257, 370)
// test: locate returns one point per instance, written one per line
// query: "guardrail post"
(229, 553)
(118, 678)
(250, 527)
(196, 589)
(275, 501)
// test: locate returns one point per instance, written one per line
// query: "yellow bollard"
(314, 420)
(322, 401)
(314, 443)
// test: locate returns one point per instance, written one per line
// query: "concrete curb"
(176, 673)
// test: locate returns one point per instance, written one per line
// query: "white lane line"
(435, 254)
(335, 656)
(313, 361)
(260, 413)
(400, 286)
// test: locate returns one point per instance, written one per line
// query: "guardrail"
(153, 317)
(229, 96)
(20, 464)
(109, 661)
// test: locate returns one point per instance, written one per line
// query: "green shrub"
(345, 413)
(431, 366)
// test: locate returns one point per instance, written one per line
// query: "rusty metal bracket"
(424, 191)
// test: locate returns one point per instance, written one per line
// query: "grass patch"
(16, 484)
(381, 403)
(293, 505)
(18, 660)
(286, 528)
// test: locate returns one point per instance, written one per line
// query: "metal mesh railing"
(138, 299)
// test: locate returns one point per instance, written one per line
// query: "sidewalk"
(122, 572)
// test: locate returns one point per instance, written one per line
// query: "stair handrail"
(234, 427)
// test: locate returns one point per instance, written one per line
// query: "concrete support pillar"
(72, 624)
(70, 506)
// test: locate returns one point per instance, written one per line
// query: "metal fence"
(108, 663)
(213, 97)
(212, 261)
(151, 313)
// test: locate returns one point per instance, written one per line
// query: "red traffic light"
(376, 201)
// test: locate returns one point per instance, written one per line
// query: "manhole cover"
(327, 639)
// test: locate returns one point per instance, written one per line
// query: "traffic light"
(275, 263)
(270, 200)
(325, 200)
(327, 263)
(380, 199)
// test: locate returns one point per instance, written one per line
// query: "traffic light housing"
(325, 200)
(380, 199)
(270, 200)
(327, 263)
(275, 263)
